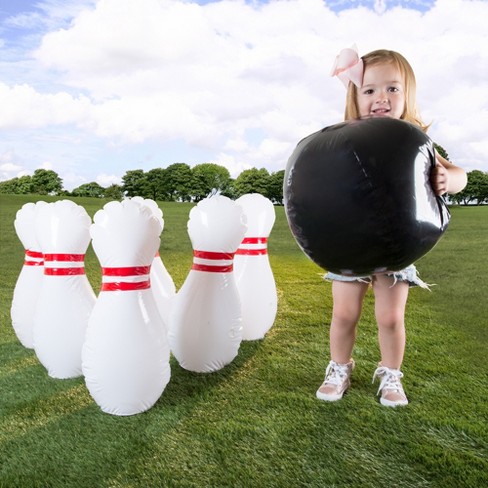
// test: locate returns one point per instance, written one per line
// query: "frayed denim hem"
(409, 275)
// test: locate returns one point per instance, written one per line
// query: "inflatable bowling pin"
(28, 283)
(162, 285)
(205, 329)
(66, 298)
(254, 277)
(126, 353)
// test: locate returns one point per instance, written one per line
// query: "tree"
(134, 183)
(24, 185)
(275, 188)
(46, 182)
(476, 189)
(230, 190)
(114, 192)
(207, 177)
(156, 184)
(252, 181)
(17, 186)
(441, 151)
(9, 186)
(178, 182)
(92, 189)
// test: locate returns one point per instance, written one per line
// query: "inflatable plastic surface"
(28, 285)
(126, 353)
(66, 298)
(162, 284)
(205, 330)
(254, 276)
(358, 197)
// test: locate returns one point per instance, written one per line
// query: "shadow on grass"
(51, 427)
(22, 376)
(186, 385)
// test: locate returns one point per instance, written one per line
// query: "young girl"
(380, 84)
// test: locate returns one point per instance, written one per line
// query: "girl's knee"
(346, 317)
(348, 302)
(392, 320)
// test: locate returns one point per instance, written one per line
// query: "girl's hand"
(439, 179)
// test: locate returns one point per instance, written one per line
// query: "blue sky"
(93, 88)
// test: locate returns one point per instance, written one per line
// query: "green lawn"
(257, 423)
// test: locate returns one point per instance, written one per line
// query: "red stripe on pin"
(242, 251)
(126, 286)
(124, 272)
(255, 240)
(70, 258)
(251, 252)
(213, 255)
(128, 271)
(33, 263)
(64, 257)
(212, 269)
(33, 254)
(64, 271)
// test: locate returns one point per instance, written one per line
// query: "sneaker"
(337, 381)
(392, 394)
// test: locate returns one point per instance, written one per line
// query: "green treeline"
(178, 182)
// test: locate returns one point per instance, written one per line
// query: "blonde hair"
(383, 56)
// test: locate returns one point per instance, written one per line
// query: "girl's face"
(382, 93)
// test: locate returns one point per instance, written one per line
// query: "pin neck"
(213, 262)
(64, 264)
(135, 278)
(253, 246)
(127, 271)
(33, 258)
(254, 240)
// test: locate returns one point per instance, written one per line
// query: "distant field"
(257, 423)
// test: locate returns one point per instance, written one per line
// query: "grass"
(256, 423)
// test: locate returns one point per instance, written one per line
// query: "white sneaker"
(391, 389)
(337, 381)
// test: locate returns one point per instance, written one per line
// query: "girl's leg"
(390, 304)
(348, 301)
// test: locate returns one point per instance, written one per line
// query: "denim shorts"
(408, 275)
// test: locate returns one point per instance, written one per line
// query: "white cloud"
(24, 107)
(108, 180)
(131, 73)
(47, 165)
(10, 168)
(72, 180)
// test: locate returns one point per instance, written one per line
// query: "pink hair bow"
(348, 66)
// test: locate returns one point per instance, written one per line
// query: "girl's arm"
(447, 177)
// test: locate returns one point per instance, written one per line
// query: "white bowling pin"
(28, 283)
(205, 329)
(162, 285)
(126, 353)
(66, 298)
(254, 277)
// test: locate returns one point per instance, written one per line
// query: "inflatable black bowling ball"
(358, 198)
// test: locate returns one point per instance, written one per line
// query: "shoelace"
(390, 379)
(336, 373)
